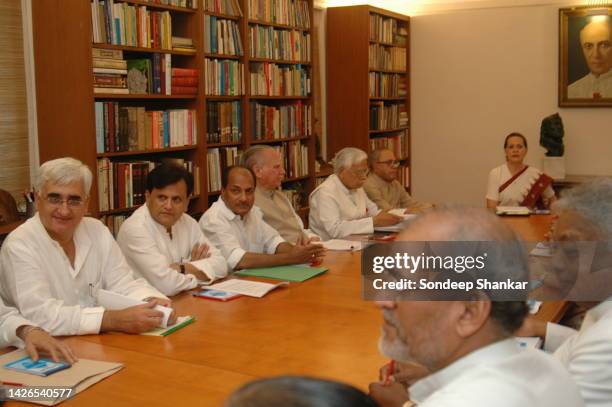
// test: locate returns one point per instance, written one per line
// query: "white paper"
(114, 302)
(341, 244)
(247, 287)
(512, 210)
(400, 212)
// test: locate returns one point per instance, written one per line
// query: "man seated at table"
(383, 188)
(165, 245)
(237, 228)
(16, 331)
(55, 263)
(339, 206)
(464, 338)
(584, 221)
(266, 164)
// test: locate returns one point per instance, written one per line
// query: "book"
(118, 91)
(296, 273)
(107, 53)
(247, 287)
(42, 367)
(181, 322)
(217, 295)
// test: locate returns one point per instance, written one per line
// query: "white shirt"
(235, 236)
(336, 211)
(590, 84)
(39, 280)
(516, 192)
(10, 320)
(500, 375)
(587, 354)
(149, 251)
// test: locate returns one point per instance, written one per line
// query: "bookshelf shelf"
(279, 140)
(278, 97)
(279, 61)
(222, 97)
(231, 144)
(387, 71)
(382, 131)
(141, 97)
(151, 151)
(128, 48)
(398, 98)
(387, 44)
(158, 6)
(221, 15)
(222, 56)
(283, 26)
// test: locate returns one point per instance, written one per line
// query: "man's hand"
(133, 320)
(307, 253)
(385, 218)
(404, 373)
(37, 340)
(389, 395)
(200, 251)
(166, 303)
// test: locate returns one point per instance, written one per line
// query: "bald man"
(596, 43)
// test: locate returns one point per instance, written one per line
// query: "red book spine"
(184, 90)
(185, 81)
(184, 72)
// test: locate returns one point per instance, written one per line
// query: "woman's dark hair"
(298, 391)
(168, 174)
(515, 135)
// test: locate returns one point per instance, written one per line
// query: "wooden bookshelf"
(348, 78)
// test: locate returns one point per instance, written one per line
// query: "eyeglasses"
(391, 163)
(361, 172)
(71, 201)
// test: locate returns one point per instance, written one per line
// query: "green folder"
(285, 273)
(181, 322)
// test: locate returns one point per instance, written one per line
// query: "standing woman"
(515, 183)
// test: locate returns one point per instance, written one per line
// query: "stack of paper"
(247, 287)
(512, 210)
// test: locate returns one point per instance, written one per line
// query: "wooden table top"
(320, 327)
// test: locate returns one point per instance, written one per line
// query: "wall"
(478, 75)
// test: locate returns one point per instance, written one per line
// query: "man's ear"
(471, 316)
(147, 195)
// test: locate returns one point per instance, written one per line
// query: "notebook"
(296, 273)
(42, 367)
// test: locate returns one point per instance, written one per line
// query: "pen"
(11, 384)
(390, 370)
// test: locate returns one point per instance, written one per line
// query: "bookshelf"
(368, 99)
(66, 100)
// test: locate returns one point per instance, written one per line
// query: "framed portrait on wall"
(585, 56)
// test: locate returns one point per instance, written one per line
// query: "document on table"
(512, 210)
(247, 287)
(342, 245)
(113, 301)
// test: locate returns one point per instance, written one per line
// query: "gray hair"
(592, 200)
(347, 157)
(63, 171)
(374, 156)
(253, 155)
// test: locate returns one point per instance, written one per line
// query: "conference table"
(320, 327)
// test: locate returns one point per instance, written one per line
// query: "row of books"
(216, 160)
(184, 81)
(385, 85)
(176, 3)
(229, 7)
(388, 30)
(123, 184)
(404, 176)
(128, 128)
(287, 12)
(387, 116)
(398, 143)
(221, 36)
(268, 79)
(278, 122)
(150, 75)
(114, 222)
(224, 77)
(295, 158)
(223, 122)
(122, 24)
(109, 71)
(382, 57)
(294, 197)
(272, 43)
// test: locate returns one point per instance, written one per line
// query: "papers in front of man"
(342, 245)
(401, 213)
(113, 301)
(513, 210)
(80, 376)
(181, 322)
(247, 287)
(42, 367)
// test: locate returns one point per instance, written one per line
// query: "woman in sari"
(517, 184)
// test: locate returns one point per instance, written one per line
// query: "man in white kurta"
(237, 228)
(339, 206)
(467, 345)
(55, 263)
(163, 244)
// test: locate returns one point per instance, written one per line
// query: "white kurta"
(587, 354)
(149, 251)
(588, 85)
(38, 279)
(500, 375)
(514, 194)
(10, 320)
(336, 211)
(235, 236)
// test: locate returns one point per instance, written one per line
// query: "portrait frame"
(573, 67)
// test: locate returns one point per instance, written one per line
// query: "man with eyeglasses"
(54, 265)
(164, 244)
(384, 189)
(339, 206)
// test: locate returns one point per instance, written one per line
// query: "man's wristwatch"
(182, 267)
